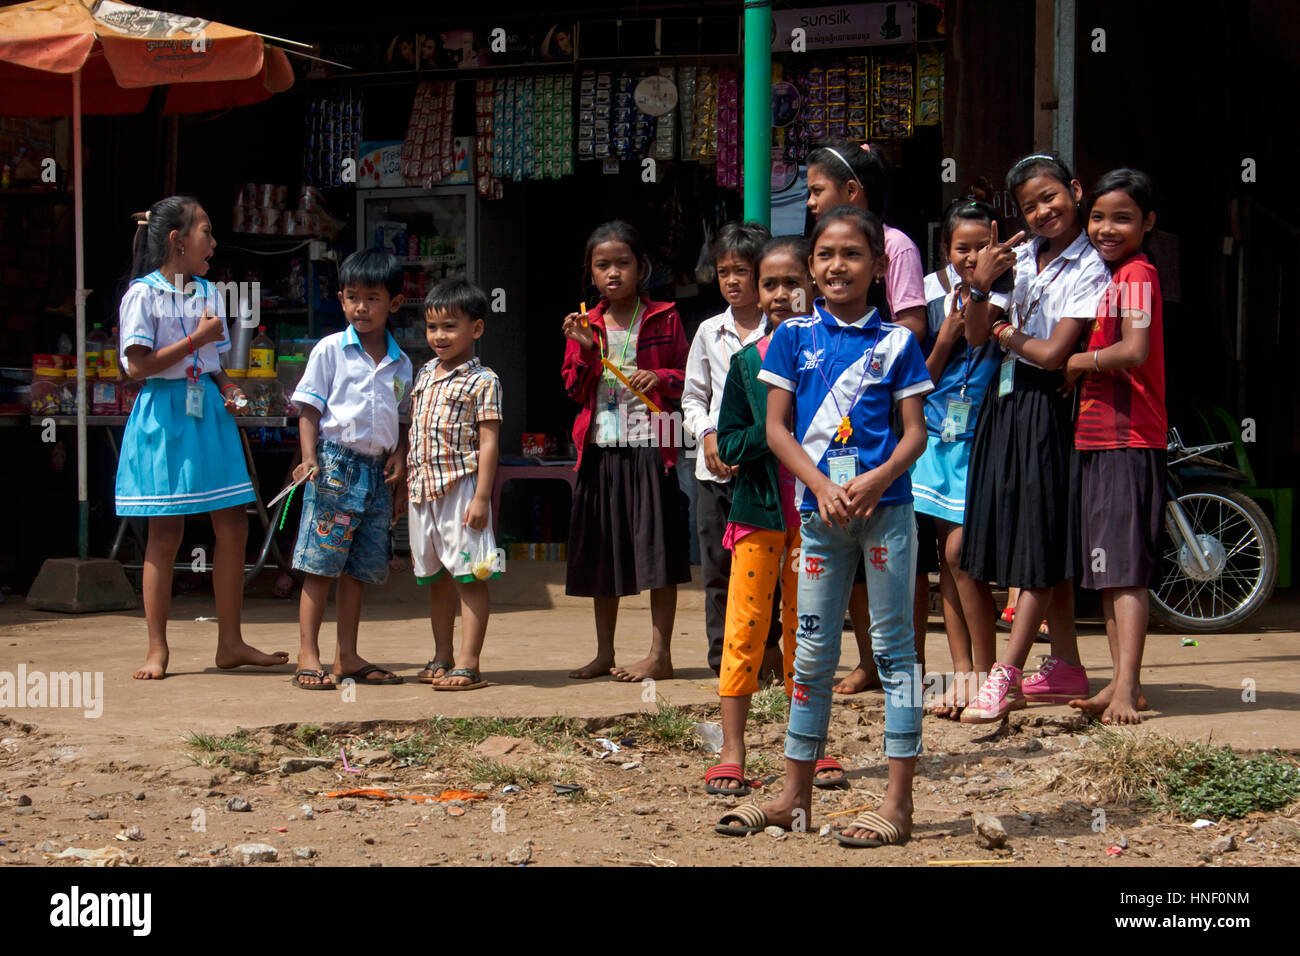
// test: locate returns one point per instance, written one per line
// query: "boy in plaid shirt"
(455, 427)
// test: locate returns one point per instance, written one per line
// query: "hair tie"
(145, 220)
(866, 147)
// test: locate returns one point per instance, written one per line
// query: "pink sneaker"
(1056, 681)
(998, 695)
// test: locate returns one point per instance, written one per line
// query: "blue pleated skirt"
(172, 464)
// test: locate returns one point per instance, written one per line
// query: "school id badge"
(954, 423)
(842, 465)
(607, 427)
(194, 398)
(1007, 376)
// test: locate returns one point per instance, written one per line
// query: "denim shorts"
(347, 514)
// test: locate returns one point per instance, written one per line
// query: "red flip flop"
(836, 783)
(726, 771)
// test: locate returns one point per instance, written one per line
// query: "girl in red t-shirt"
(1120, 435)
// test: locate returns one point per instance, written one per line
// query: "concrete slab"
(81, 587)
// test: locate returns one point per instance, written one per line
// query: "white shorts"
(440, 542)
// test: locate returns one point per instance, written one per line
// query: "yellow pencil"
(582, 309)
(623, 378)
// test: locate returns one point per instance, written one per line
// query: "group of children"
(842, 456)
(361, 459)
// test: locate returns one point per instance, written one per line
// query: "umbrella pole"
(83, 506)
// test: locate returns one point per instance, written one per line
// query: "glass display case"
(433, 233)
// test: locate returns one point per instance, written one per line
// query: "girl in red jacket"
(626, 532)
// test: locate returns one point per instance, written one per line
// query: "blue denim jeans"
(346, 517)
(887, 542)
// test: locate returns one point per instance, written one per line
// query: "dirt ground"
(132, 786)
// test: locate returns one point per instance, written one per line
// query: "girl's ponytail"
(151, 246)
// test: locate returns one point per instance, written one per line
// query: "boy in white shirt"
(736, 252)
(356, 385)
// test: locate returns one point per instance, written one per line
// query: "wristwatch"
(977, 296)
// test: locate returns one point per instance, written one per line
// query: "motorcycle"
(1218, 556)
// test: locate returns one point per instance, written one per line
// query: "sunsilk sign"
(853, 24)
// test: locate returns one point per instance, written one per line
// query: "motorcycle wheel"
(1243, 563)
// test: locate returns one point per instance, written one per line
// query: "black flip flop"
(475, 680)
(444, 666)
(360, 676)
(321, 676)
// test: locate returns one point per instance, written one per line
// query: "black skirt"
(626, 532)
(1017, 531)
(1122, 500)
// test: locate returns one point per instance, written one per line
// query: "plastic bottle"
(261, 355)
(111, 360)
(94, 349)
(106, 389)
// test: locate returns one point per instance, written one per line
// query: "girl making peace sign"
(1017, 530)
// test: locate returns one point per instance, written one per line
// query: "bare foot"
(1099, 702)
(656, 668)
(597, 668)
(155, 665)
(948, 705)
(899, 814)
(857, 681)
(785, 811)
(237, 655)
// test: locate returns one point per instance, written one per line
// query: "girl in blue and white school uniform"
(961, 374)
(181, 453)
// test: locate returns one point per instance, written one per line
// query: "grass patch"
(1215, 782)
(669, 725)
(449, 737)
(240, 742)
(1187, 778)
(769, 705)
(482, 770)
(314, 740)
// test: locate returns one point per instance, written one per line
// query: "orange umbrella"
(55, 54)
(121, 51)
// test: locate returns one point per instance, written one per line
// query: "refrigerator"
(434, 233)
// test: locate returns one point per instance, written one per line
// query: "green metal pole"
(757, 133)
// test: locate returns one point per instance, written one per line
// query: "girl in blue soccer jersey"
(839, 372)
(180, 451)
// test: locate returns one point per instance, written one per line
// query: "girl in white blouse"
(181, 453)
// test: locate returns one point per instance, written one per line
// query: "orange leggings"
(761, 559)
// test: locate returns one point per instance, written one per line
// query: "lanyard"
(965, 378)
(846, 429)
(610, 380)
(1042, 292)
